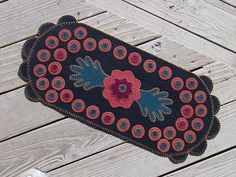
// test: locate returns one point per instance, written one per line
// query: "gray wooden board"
(121, 28)
(223, 165)
(127, 160)
(167, 29)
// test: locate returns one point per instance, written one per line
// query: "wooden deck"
(198, 35)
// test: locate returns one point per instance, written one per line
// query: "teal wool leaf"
(153, 104)
(87, 74)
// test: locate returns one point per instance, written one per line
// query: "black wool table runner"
(115, 87)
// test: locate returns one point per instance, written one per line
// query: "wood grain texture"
(197, 16)
(22, 116)
(231, 2)
(26, 115)
(21, 19)
(121, 28)
(127, 160)
(167, 30)
(223, 165)
(52, 146)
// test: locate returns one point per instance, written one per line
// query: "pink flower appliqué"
(121, 89)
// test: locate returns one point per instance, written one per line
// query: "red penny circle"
(104, 45)
(51, 42)
(120, 52)
(43, 55)
(123, 124)
(169, 132)
(181, 124)
(154, 134)
(58, 83)
(54, 68)
(80, 32)
(150, 66)
(190, 136)
(73, 46)
(201, 110)
(165, 73)
(163, 145)
(197, 124)
(185, 96)
(90, 44)
(134, 59)
(78, 105)
(51, 96)
(60, 54)
(64, 35)
(187, 111)
(178, 144)
(108, 118)
(39, 70)
(66, 95)
(200, 96)
(177, 83)
(191, 83)
(42, 83)
(92, 112)
(138, 131)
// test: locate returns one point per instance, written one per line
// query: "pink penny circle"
(178, 144)
(66, 95)
(54, 68)
(60, 54)
(185, 96)
(39, 70)
(154, 134)
(163, 145)
(138, 131)
(120, 52)
(73, 46)
(108, 118)
(181, 124)
(190, 136)
(90, 44)
(191, 83)
(78, 105)
(134, 59)
(200, 96)
(58, 83)
(42, 83)
(165, 73)
(187, 111)
(64, 35)
(197, 124)
(177, 83)
(51, 42)
(123, 125)
(201, 110)
(92, 112)
(51, 96)
(104, 45)
(80, 32)
(169, 132)
(150, 66)
(43, 55)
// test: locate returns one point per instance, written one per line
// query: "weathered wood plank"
(48, 148)
(121, 28)
(196, 16)
(223, 6)
(223, 165)
(168, 30)
(21, 19)
(231, 2)
(52, 146)
(127, 160)
(169, 50)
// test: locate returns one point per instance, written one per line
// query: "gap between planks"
(168, 30)
(61, 152)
